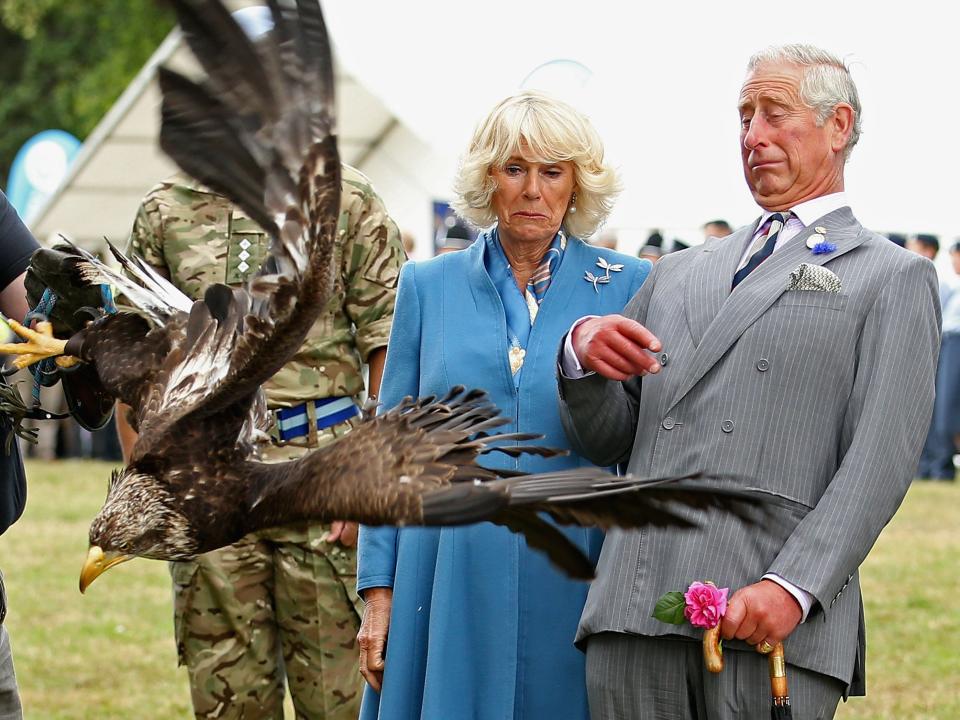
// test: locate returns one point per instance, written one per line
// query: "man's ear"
(842, 124)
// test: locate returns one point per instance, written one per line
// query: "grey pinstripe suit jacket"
(820, 399)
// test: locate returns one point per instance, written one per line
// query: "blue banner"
(38, 169)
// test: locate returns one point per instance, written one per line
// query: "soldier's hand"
(372, 637)
(344, 532)
(615, 347)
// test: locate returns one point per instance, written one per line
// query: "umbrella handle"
(712, 651)
(778, 677)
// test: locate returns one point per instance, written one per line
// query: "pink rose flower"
(706, 604)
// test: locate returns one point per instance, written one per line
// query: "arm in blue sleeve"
(377, 546)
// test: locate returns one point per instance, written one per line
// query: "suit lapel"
(709, 279)
(755, 294)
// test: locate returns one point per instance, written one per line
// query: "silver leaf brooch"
(604, 279)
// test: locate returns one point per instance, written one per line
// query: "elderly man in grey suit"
(795, 357)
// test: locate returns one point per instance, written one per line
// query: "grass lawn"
(110, 655)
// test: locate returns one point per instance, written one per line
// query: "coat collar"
(576, 260)
(566, 287)
(717, 317)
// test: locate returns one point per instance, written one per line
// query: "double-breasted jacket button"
(763, 364)
(664, 358)
(727, 426)
(668, 423)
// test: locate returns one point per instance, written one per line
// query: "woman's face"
(531, 198)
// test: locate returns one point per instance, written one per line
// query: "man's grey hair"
(826, 81)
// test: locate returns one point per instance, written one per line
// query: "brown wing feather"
(261, 132)
(417, 465)
(378, 472)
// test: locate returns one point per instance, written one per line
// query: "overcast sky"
(662, 89)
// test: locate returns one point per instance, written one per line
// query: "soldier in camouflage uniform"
(286, 586)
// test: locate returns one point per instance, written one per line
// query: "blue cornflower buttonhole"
(818, 243)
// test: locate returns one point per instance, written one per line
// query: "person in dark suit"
(795, 357)
(16, 247)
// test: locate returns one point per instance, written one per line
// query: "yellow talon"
(40, 345)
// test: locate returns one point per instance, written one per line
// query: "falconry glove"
(54, 290)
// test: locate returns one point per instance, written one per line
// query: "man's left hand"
(764, 611)
(344, 532)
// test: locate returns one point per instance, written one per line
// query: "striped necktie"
(763, 246)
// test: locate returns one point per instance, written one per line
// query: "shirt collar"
(811, 210)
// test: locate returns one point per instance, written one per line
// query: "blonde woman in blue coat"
(468, 622)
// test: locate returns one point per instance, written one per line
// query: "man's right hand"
(373, 634)
(615, 347)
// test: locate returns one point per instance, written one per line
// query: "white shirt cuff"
(805, 599)
(569, 362)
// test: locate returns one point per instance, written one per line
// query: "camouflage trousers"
(278, 603)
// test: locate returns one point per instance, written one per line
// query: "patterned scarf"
(521, 308)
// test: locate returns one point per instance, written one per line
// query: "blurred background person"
(409, 242)
(897, 239)
(457, 237)
(652, 249)
(936, 459)
(924, 244)
(476, 625)
(942, 440)
(716, 228)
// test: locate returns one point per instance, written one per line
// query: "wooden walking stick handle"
(712, 652)
(778, 676)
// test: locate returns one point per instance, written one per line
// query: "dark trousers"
(936, 461)
(634, 677)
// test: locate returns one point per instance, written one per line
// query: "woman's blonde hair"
(541, 129)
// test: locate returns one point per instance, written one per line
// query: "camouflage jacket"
(198, 238)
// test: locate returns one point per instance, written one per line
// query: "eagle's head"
(138, 519)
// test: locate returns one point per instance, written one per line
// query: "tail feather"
(194, 121)
(548, 539)
(227, 55)
(462, 505)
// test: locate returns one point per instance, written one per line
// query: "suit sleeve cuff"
(570, 365)
(803, 598)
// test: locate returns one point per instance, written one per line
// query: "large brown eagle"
(260, 130)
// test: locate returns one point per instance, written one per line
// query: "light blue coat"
(482, 627)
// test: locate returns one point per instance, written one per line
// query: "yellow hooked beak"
(97, 563)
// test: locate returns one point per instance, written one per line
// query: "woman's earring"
(573, 204)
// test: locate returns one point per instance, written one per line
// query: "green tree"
(63, 63)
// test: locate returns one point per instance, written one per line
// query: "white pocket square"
(815, 278)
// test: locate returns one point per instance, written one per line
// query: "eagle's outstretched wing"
(419, 464)
(259, 130)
